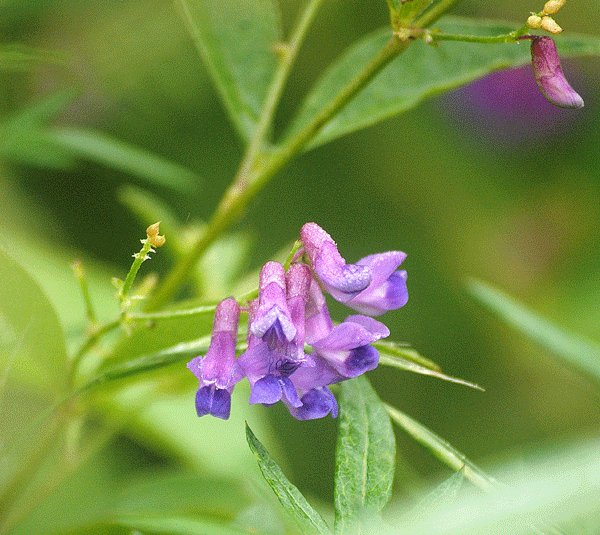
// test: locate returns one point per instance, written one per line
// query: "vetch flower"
(371, 286)
(347, 347)
(343, 281)
(215, 370)
(272, 353)
(549, 76)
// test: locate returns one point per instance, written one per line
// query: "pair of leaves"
(237, 42)
(365, 457)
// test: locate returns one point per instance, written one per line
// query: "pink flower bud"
(549, 76)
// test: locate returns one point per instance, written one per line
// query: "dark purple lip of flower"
(211, 400)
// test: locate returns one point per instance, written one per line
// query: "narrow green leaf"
(441, 449)
(403, 351)
(290, 497)
(419, 73)
(404, 364)
(147, 363)
(106, 150)
(365, 456)
(32, 345)
(237, 39)
(22, 134)
(574, 350)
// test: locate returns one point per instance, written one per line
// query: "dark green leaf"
(575, 350)
(365, 456)
(237, 39)
(441, 449)
(106, 150)
(419, 73)
(32, 345)
(290, 497)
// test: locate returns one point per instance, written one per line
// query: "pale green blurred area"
(524, 216)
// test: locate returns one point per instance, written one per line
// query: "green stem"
(257, 171)
(80, 276)
(135, 267)
(511, 37)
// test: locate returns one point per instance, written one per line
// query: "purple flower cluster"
(291, 312)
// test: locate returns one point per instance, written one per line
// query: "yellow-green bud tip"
(549, 24)
(152, 234)
(534, 22)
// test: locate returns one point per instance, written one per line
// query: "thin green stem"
(138, 259)
(170, 314)
(80, 276)
(255, 174)
(511, 37)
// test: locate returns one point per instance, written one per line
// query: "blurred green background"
(489, 181)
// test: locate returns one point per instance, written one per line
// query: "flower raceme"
(291, 312)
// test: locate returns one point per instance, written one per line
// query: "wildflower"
(272, 353)
(549, 76)
(215, 370)
(371, 286)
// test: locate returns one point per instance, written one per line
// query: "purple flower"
(549, 76)
(274, 348)
(215, 370)
(343, 281)
(346, 348)
(371, 286)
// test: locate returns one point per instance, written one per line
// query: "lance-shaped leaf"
(421, 72)
(237, 39)
(574, 350)
(290, 497)
(365, 456)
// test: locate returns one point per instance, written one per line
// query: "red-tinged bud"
(549, 76)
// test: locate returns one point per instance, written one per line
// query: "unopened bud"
(552, 6)
(534, 22)
(549, 24)
(549, 76)
(152, 234)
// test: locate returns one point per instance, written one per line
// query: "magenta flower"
(215, 370)
(549, 76)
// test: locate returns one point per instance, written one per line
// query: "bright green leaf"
(290, 497)
(365, 456)
(237, 40)
(441, 449)
(32, 345)
(574, 350)
(419, 73)
(104, 149)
